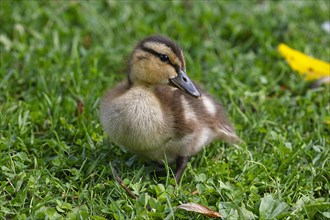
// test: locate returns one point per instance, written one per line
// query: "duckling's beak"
(183, 82)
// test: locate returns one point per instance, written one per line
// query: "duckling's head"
(158, 60)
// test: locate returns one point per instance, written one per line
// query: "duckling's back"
(196, 122)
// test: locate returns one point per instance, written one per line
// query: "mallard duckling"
(158, 113)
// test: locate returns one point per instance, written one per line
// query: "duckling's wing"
(190, 114)
(213, 114)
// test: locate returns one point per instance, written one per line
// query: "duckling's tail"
(229, 135)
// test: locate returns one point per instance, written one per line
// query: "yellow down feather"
(307, 66)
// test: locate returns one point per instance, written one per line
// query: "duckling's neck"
(146, 86)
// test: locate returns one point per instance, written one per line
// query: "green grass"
(55, 161)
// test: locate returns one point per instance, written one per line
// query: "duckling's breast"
(135, 121)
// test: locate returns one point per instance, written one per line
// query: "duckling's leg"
(181, 164)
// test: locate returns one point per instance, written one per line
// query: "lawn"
(59, 57)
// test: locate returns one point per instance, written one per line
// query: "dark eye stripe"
(175, 66)
(151, 51)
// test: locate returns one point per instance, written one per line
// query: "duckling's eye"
(164, 58)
